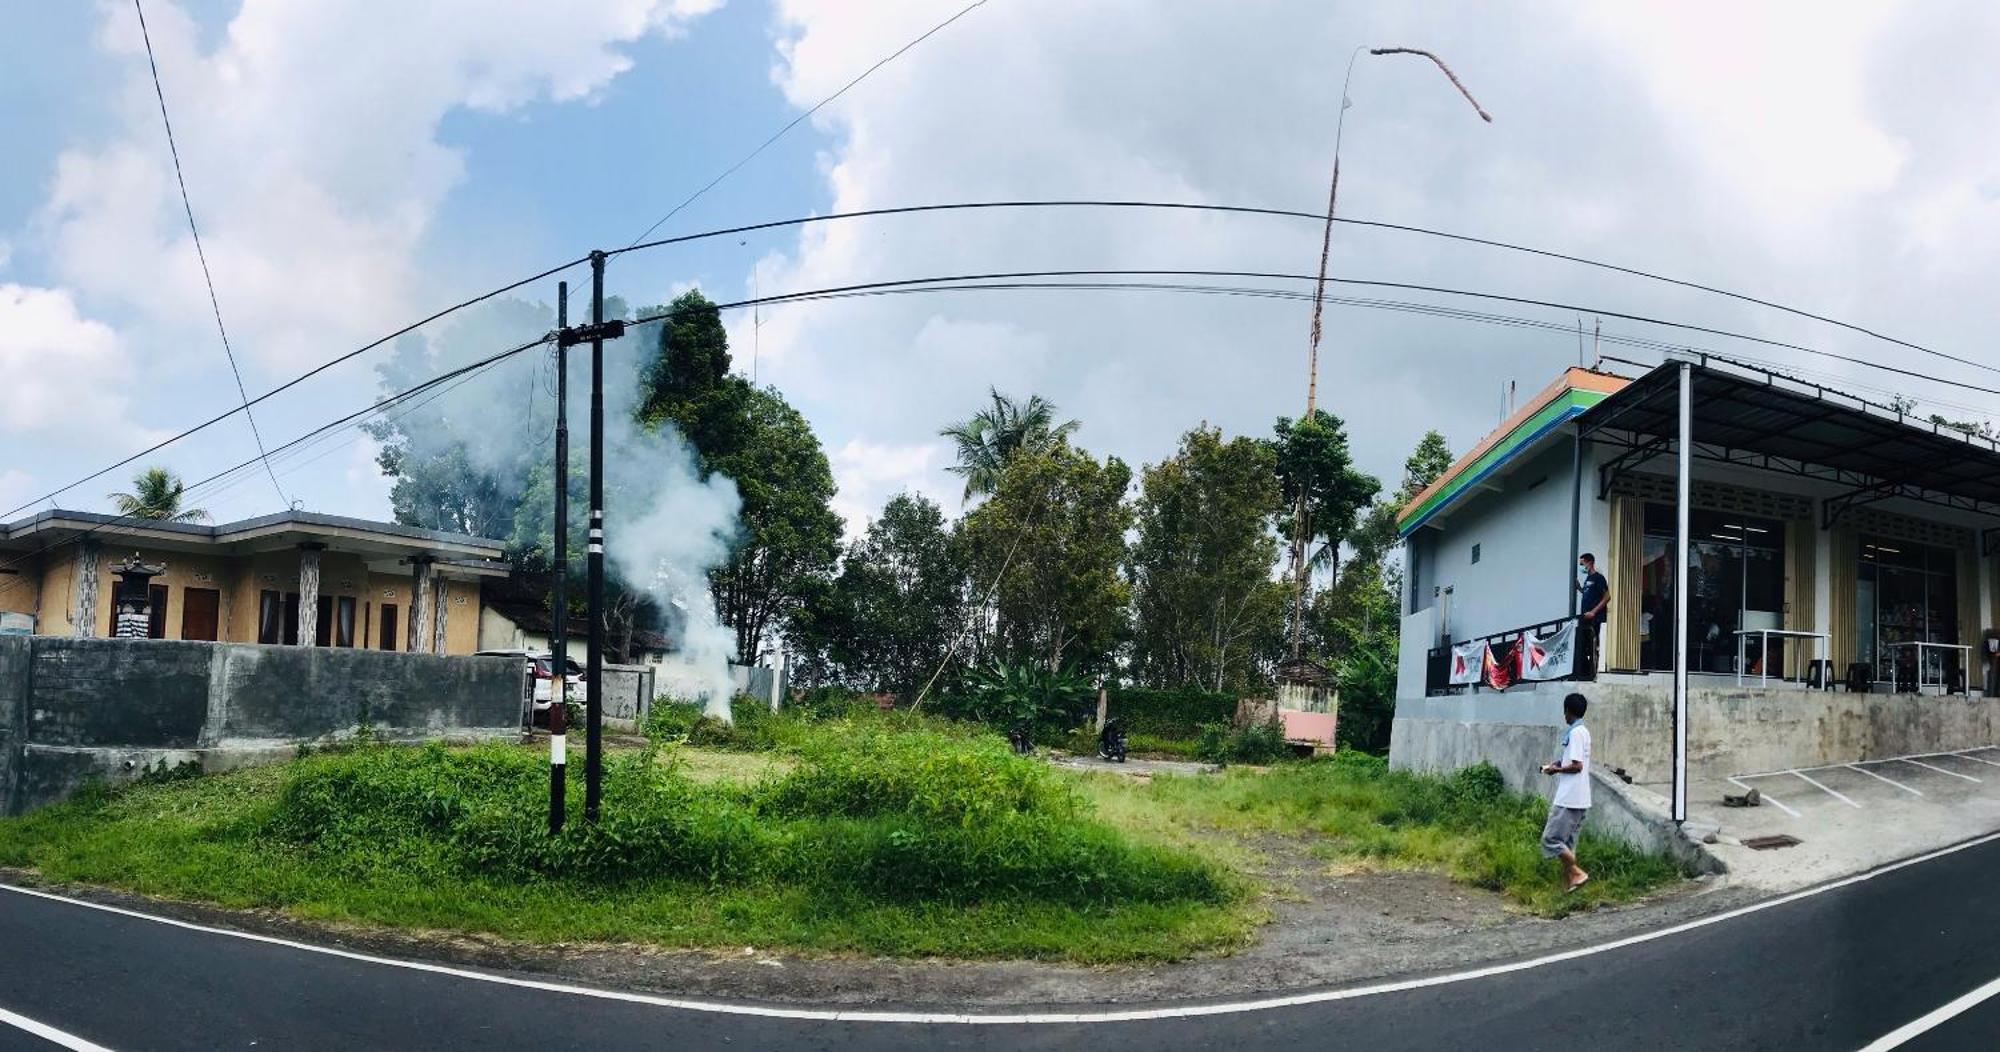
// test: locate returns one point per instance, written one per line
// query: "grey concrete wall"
(628, 692)
(1524, 571)
(1731, 730)
(72, 709)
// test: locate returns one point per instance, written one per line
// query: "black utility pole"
(593, 754)
(559, 601)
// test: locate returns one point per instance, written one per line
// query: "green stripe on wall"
(1570, 402)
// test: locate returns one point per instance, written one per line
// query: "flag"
(1551, 657)
(1468, 662)
(1500, 664)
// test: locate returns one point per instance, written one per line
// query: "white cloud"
(67, 376)
(869, 473)
(316, 165)
(1805, 153)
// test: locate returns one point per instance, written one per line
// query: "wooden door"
(200, 610)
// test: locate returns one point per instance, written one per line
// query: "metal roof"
(1747, 415)
(276, 528)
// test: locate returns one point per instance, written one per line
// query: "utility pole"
(595, 333)
(593, 717)
(559, 634)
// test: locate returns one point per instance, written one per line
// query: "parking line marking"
(1879, 778)
(1941, 770)
(1830, 792)
(1974, 759)
(1769, 799)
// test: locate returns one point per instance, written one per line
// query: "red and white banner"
(1551, 657)
(1468, 662)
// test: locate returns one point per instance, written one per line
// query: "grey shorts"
(1559, 832)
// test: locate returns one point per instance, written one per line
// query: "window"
(388, 638)
(1906, 593)
(156, 612)
(1475, 553)
(270, 618)
(323, 626)
(343, 621)
(291, 618)
(1736, 583)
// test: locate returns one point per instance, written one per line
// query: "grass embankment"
(873, 840)
(1353, 811)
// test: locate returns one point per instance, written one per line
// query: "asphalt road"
(1833, 970)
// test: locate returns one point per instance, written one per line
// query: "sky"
(355, 167)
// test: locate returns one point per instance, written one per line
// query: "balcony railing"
(1437, 665)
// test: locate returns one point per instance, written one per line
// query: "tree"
(1052, 539)
(1205, 609)
(687, 382)
(886, 622)
(791, 536)
(1376, 536)
(989, 438)
(1321, 489)
(156, 494)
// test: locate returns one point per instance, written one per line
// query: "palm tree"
(156, 494)
(991, 437)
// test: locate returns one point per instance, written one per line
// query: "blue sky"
(357, 165)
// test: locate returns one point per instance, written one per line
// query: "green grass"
(868, 841)
(1357, 813)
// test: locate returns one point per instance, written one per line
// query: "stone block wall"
(76, 708)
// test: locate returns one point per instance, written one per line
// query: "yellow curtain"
(1968, 615)
(1842, 576)
(1800, 614)
(1622, 559)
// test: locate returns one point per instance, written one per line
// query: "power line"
(984, 205)
(801, 118)
(202, 254)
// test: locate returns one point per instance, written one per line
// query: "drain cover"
(1770, 843)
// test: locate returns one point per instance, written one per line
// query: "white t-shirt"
(1573, 790)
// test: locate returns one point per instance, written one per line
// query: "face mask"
(1582, 573)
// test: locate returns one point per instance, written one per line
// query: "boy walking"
(1571, 801)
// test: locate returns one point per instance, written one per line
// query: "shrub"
(1171, 713)
(827, 703)
(1257, 743)
(671, 718)
(1480, 785)
(1007, 696)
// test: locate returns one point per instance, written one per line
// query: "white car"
(538, 669)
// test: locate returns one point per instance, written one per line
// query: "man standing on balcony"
(1595, 600)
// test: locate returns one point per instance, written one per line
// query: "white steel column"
(1684, 456)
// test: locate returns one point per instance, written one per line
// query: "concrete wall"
(627, 692)
(1523, 574)
(72, 709)
(1731, 730)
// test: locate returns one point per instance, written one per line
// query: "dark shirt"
(1595, 588)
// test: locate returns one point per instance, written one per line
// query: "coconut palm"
(156, 494)
(991, 437)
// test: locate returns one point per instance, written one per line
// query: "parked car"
(538, 680)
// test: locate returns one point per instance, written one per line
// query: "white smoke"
(665, 526)
(667, 547)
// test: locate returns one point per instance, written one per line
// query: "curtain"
(1622, 561)
(1842, 576)
(1800, 613)
(1968, 614)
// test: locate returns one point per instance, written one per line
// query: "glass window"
(1908, 593)
(343, 621)
(388, 637)
(270, 618)
(1736, 584)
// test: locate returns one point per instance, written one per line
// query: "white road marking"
(1124, 1015)
(1879, 778)
(1930, 1020)
(1974, 759)
(1842, 797)
(59, 1038)
(1767, 798)
(1880, 759)
(1941, 770)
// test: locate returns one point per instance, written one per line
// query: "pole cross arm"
(604, 330)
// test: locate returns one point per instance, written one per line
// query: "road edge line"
(50, 1034)
(1181, 1011)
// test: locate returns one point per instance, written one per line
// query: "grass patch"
(1361, 814)
(868, 839)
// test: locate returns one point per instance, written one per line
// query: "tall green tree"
(987, 439)
(1052, 538)
(1323, 493)
(888, 620)
(1205, 608)
(685, 379)
(156, 494)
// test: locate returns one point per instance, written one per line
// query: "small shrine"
(132, 616)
